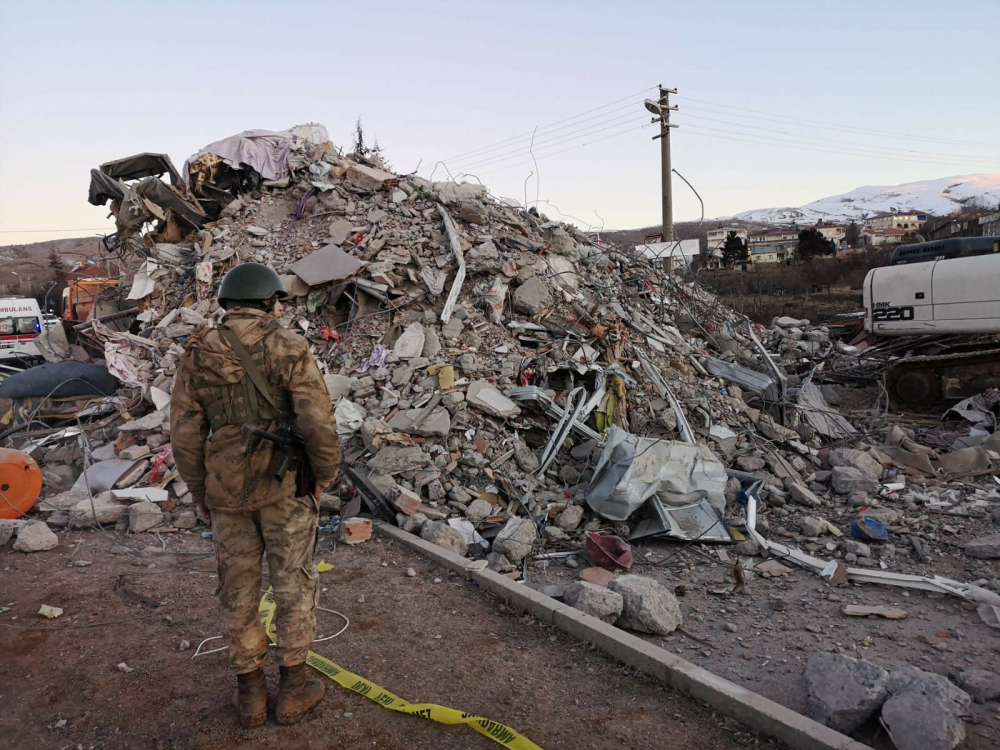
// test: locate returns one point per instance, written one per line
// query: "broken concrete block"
(527, 460)
(841, 692)
(856, 459)
(570, 518)
(444, 536)
(750, 463)
(104, 509)
(857, 548)
(478, 511)
(6, 531)
(532, 296)
(648, 606)
(600, 602)
(432, 343)
(35, 536)
(847, 479)
(472, 213)
(924, 711)
(393, 459)
(410, 344)
(803, 495)
(498, 563)
(357, 530)
(143, 516)
(338, 385)
(135, 452)
(438, 422)
(407, 502)
(411, 524)
(812, 526)
(367, 179)
(484, 396)
(987, 547)
(515, 539)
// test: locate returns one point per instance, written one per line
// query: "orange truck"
(80, 296)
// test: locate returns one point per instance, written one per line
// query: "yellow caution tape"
(494, 730)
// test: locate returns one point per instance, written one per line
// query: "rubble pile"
(512, 388)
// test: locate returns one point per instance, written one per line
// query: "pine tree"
(812, 243)
(734, 250)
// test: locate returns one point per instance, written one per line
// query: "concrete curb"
(753, 710)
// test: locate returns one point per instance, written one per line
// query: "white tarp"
(633, 469)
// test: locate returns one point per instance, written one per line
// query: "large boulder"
(515, 539)
(594, 600)
(647, 606)
(842, 692)
(444, 536)
(35, 537)
(924, 711)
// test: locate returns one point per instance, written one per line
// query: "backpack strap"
(252, 370)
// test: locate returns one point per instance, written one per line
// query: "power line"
(555, 142)
(550, 125)
(846, 128)
(787, 144)
(858, 151)
(859, 146)
(571, 148)
(522, 144)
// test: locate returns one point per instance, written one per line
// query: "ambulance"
(20, 324)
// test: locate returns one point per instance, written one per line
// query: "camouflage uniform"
(252, 514)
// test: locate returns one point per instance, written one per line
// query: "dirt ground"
(761, 637)
(433, 637)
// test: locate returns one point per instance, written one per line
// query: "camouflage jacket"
(214, 464)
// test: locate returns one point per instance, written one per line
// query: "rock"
(478, 511)
(986, 547)
(6, 531)
(472, 212)
(527, 460)
(411, 524)
(647, 606)
(35, 536)
(812, 526)
(570, 518)
(604, 604)
(185, 519)
(555, 591)
(515, 539)
(856, 459)
(367, 179)
(555, 532)
(803, 495)
(411, 573)
(981, 684)
(924, 710)
(143, 516)
(847, 479)
(432, 343)
(750, 463)
(135, 452)
(857, 548)
(437, 423)
(444, 536)
(498, 563)
(532, 296)
(393, 459)
(104, 509)
(485, 397)
(841, 692)
(410, 344)
(483, 256)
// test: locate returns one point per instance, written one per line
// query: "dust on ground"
(433, 637)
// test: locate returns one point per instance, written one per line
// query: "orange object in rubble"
(20, 483)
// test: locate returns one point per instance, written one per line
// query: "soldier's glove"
(204, 512)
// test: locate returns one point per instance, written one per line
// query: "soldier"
(250, 371)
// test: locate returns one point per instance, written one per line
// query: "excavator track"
(941, 379)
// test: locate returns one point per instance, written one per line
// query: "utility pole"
(662, 109)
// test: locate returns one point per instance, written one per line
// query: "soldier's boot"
(300, 689)
(250, 699)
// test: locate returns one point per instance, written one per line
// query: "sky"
(780, 103)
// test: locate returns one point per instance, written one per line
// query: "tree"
(361, 149)
(852, 235)
(812, 243)
(734, 250)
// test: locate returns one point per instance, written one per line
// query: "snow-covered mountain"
(938, 197)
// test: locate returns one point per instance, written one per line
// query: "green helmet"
(250, 282)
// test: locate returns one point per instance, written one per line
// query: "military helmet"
(250, 282)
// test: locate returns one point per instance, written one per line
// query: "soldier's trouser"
(286, 533)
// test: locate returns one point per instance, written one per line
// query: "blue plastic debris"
(870, 529)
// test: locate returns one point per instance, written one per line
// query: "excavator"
(947, 299)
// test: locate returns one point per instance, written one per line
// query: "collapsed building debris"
(505, 386)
